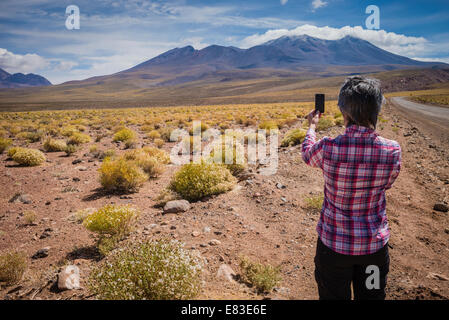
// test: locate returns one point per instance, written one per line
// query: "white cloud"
(318, 4)
(27, 63)
(390, 41)
(284, 2)
(443, 59)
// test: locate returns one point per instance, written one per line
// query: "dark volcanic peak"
(287, 52)
(18, 80)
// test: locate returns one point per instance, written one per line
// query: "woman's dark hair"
(360, 99)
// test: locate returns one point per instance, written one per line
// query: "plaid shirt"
(358, 167)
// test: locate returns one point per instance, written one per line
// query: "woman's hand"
(313, 117)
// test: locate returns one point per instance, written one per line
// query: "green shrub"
(195, 181)
(293, 137)
(78, 138)
(4, 143)
(121, 175)
(263, 277)
(157, 270)
(12, 267)
(28, 157)
(124, 134)
(54, 145)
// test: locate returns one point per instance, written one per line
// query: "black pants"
(334, 273)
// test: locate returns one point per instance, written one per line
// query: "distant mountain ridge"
(284, 52)
(20, 80)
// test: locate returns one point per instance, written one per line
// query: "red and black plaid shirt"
(358, 167)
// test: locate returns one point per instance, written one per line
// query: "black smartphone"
(319, 102)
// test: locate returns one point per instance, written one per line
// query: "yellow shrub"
(28, 157)
(121, 175)
(13, 150)
(293, 137)
(159, 142)
(325, 123)
(150, 164)
(195, 181)
(79, 138)
(263, 277)
(12, 267)
(111, 220)
(269, 125)
(124, 135)
(160, 155)
(4, 143)
(154, 134)
(54, 145)
(229, 153)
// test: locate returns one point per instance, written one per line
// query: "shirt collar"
(359, 130)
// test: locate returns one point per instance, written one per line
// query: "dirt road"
(433, 119)
(440, 114)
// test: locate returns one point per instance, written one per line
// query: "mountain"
(280, 70)
(20, 80)
(285, 52)
(308, 55)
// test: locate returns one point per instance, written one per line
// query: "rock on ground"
(225, 272)
(69, 278)
(440, 207)
(41, 253)
(176, 206)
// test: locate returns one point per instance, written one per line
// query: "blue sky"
(117, 34)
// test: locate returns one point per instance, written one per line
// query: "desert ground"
(270, 219)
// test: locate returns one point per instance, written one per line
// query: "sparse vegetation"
(325, 123)
(121, 175)
(263, 277)
(54, 145)
(293, 137)
(315, 202)
(157, 270)
(111, 223)
(28, 157)
(29, 217)
(268, 125)
(12, 267)
(195, 181)
(4, 143)
(124, 135)
(78, 138)
(80, 215)
(70, 149)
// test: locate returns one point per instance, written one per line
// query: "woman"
(358, 167)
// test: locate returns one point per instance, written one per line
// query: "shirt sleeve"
(396, 167)
(312, 151)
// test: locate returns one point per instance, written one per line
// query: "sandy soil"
(251, 220)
